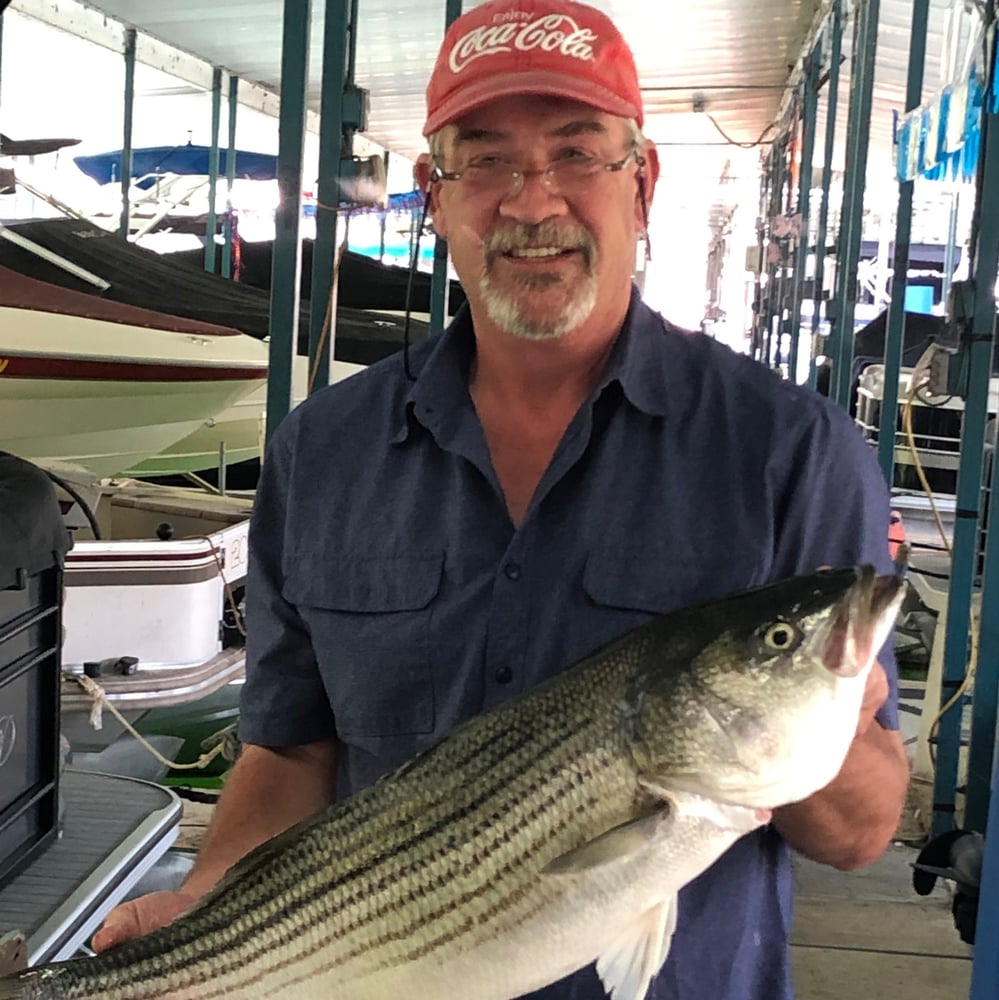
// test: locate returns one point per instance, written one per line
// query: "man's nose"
(534, 199)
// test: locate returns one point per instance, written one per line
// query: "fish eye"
(780, 636)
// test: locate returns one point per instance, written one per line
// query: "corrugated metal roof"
(737, 56)
(736, 53)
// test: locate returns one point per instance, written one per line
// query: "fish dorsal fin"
(620, 843)
(627, 965)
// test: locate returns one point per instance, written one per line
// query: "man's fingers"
(138, 917)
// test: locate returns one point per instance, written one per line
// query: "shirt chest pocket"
(639, 585)
(370, 619)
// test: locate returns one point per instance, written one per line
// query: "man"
(561, 465)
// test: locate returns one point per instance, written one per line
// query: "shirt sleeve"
(283, 702)
(835, 512)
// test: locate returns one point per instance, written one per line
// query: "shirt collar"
(638, 360)
(638, 363)
(441, 367)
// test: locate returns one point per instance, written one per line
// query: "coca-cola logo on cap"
(551, 33)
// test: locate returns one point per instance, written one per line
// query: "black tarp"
(33, 536)
(141, 277)
(364, 283)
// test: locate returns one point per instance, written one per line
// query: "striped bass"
(548, 833)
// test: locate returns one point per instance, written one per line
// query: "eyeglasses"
(500, 177)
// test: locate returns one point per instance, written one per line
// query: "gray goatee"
(513, 308)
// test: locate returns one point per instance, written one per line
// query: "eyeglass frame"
(616, 166)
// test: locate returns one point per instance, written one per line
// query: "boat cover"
(161, 282)
(33, 537)
(105, 168)
(21, 292)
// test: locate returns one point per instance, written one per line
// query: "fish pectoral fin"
(617, 844)
(627, 966)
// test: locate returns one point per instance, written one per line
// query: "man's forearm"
(266, 792)
(850, 822)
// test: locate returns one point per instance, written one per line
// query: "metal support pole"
(778, 318)
(759, 291)
(1, 58)
(773, 291)
(832, 108)
(810, 98)
(985, 969)
(286, 271)
(974, 299)
(213, 171)
(230, 177)
(126, 145)
(951, 248)
(982, 752)
(895, 333)
(439, 278)
(332, 148)
(851, 228)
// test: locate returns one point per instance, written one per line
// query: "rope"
(100, 701)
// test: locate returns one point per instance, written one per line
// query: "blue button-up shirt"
(391, 596)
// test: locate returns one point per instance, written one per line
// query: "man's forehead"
(546, 117)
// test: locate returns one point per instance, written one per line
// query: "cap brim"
(541, 82)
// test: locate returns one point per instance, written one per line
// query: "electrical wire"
(735, 142)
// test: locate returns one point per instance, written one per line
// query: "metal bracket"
(354, 108)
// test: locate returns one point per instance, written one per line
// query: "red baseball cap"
(555, 47)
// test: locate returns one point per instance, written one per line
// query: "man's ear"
(649, 173)
(422, 176)
(422, 171)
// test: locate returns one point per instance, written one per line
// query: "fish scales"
(498, 860)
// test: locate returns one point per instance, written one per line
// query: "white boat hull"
(108, 395)
(240, 428)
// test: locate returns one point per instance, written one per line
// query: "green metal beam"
(974, 310)
(895, 334)
(286, 271)
(810, 99)
(985, 705)
(230, 177)
(439, 278)
(835, 29)
(126, 145)
(333, 146)
(851, 230)
(213, 171)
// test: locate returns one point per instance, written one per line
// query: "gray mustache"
(525, 236)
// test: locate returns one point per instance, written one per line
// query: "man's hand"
(141, 916)
(876, 692)
(850, 822)
(267, 790)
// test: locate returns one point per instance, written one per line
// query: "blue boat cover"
(105, 168)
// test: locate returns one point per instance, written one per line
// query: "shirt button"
(512, 571)
(504, 675)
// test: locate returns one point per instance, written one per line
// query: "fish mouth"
(862, 622)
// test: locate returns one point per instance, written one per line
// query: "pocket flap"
(621, 580)
(365, 583)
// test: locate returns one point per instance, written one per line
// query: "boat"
(105, 386)
(234, 435)
(152, 612)
(135, 275)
